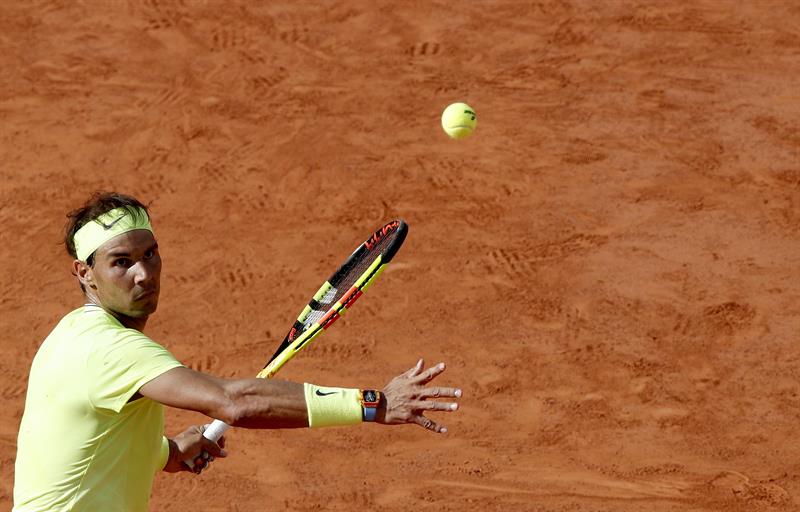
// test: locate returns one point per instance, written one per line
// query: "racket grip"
(215, 430)
(212, 433)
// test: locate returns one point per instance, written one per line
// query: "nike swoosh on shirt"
(320, 393)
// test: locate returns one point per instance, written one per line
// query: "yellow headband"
(95, 233)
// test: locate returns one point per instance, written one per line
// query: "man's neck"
(130, 322)
(127, 321)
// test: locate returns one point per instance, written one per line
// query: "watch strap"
(369, 413)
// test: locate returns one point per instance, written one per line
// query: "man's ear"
(84, 273)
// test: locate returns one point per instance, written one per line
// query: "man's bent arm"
(250, 403)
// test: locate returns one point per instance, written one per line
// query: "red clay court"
(609, 265)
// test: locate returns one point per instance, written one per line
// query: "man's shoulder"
(94, 319)
(93, 327)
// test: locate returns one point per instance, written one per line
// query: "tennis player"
(91, 436)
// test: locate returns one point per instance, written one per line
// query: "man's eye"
(149, 254)
(122, 262)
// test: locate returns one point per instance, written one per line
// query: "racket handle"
(215, 430)
(212, 433)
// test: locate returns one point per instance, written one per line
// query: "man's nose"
(142, 273)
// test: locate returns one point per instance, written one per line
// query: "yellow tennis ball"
(459, 120)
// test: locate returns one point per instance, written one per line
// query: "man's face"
(127, 274)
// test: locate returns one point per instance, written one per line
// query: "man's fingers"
(428, 405)
(436, 392)
(213, 449)
(414, 371)
(200, 463)
(429, 424)
(429, 374)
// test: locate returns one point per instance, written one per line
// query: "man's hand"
(404, 399)
(189, 443)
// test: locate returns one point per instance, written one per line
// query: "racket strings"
(361, 267)
(343, 280)
(361, 264)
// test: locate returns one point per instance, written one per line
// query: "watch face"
(370, 396)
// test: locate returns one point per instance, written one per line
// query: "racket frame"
(286, 352)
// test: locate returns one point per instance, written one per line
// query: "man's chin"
(149, 310)
(143, 311)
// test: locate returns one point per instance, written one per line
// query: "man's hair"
(97, 205)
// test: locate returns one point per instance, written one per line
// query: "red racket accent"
(329, 318)
(350, 300)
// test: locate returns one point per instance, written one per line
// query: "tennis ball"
(459, 120)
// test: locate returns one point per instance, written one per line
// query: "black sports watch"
(370, 399)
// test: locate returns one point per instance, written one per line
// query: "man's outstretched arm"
(253, 403)
(271, 403)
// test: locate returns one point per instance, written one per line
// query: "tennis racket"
(332, 300)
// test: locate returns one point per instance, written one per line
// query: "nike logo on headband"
(111, 225)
